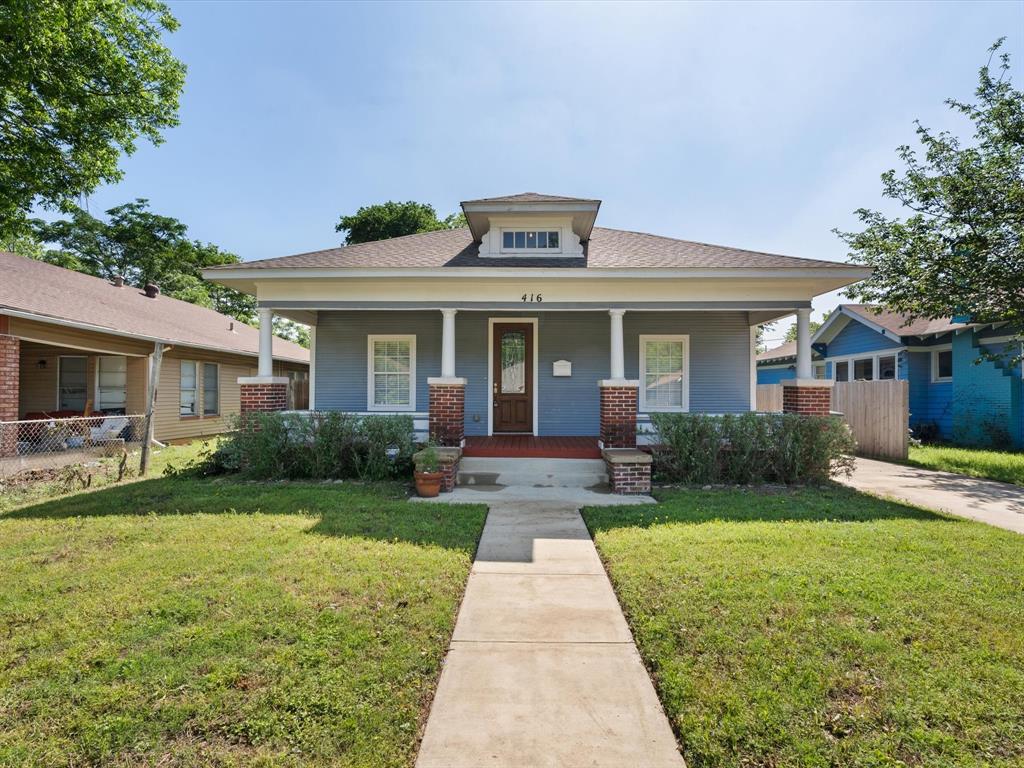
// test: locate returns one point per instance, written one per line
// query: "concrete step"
(549, 473)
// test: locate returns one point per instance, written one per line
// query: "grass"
(103, 474)
(824, 628)
(995, 465)
(179, 621)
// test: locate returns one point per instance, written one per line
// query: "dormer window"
(531, 240)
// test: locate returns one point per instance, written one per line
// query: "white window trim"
(202, 405)
(685, 339)
(199, 405)
(96, 384)
(531, 251)
(936, 379)
(370, 340)
(873, 356)
(60, 359)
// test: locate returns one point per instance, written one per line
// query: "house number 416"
(535, 298)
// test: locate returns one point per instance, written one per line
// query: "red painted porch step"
(528, 446)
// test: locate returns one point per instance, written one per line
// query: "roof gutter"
(49, 319)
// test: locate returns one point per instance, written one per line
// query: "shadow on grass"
(829, 503)
(372, 510)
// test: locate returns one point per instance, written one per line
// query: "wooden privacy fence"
(878, 413)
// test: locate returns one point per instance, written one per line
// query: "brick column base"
(263, 394)
(809, 399)
(447, 425)
(618, 413)
(10, 365)
(629, 470)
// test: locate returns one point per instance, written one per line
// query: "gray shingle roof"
(531, 197)
(899, 323)
(53, 292)
(606, 249)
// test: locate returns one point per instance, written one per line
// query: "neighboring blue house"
(954, 395)
(778, 364)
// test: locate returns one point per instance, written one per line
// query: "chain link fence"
(45, 444)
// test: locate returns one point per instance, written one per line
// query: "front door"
(513, 377)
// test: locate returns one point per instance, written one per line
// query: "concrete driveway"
(995, 503)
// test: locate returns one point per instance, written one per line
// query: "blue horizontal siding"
(775, 375)
(930, 403)
(856, 338)
(719, 360)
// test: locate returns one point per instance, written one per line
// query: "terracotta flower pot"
(428, 484)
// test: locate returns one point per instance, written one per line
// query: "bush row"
(277, 446)
(751, 448)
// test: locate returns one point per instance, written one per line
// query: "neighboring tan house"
(71, 343)
(534, 323)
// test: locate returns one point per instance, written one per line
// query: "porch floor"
(528, 446)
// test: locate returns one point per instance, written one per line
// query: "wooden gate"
(878, 413)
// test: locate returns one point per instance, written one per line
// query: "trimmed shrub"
(319, 446)
(751, 448)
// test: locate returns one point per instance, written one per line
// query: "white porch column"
(803, 344)
(618, 358)
(448, 343)
(266, 366)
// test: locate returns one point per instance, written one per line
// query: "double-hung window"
(187, 389)
(665, 373)
(942, 365)
(211, 389)
(391, 384)
(112, 381)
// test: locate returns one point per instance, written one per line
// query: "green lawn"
(824, 628)
(207, 622)
(995, 465)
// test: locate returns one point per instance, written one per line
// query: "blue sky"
(757, 125)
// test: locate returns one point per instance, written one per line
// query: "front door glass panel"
(513, 363)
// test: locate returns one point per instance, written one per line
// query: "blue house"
(955, 394)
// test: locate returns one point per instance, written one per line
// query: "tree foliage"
(383, 221)
(960, 249)
(813, 326)
(144, 247)
(80, 82)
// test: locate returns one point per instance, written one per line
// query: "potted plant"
(428, 473)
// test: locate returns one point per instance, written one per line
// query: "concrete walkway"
(542, 669)
(995, 503)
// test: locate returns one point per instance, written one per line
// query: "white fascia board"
(137, 336)
(852, 274)
(831, 327)
(531, 207)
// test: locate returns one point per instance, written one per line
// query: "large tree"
(959, 250)
(80, 82)
(386, 220)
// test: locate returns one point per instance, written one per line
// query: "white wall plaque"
(561, 368)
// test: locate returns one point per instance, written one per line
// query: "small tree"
(386, 220)
(960, 251)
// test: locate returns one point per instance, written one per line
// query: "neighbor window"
(211, 389)
(942, 365)
(112, 380)
(530, 240)
(863, 369)
(664, 367)
(71, 386)
(392, 373)
(842, 371)
(819, 370)
(887, 367)
(187, 389)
